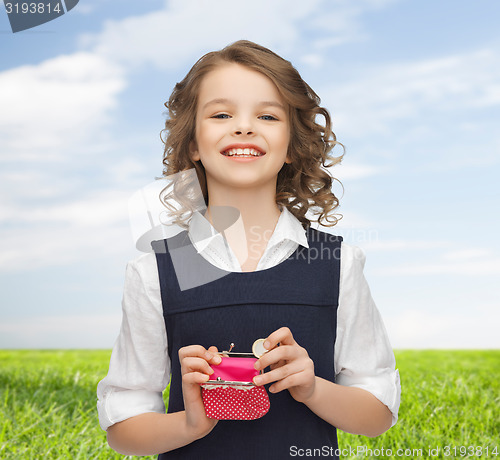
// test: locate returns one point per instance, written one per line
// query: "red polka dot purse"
(230, 394)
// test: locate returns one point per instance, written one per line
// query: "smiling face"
(242, 128)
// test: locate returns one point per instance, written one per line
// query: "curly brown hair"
(302, 184)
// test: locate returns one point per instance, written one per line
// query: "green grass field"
(449, 398)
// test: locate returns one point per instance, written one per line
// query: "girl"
(245, 120)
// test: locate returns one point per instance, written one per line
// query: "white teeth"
(243, 153)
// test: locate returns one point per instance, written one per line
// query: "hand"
(195, 369)
(291, 367)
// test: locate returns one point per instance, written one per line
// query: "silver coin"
(258, 348)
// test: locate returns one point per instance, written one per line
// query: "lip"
(243, 146)
(243, 159)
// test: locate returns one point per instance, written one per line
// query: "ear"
(193, 151)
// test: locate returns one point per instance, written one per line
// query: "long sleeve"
(363, 353)
(139, 369)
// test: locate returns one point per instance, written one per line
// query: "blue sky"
(414, 93)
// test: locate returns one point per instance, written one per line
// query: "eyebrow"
(260, 104)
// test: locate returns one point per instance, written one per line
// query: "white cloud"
(314, 60)
(352, 171)
(55, 105)
(463, 255)
(469, 268)
(59, 233)
(70, 331)
(409, 329)
(55, 142)
(428, 329)
(177, 35)
(343, 18)
(65, 104)
(474, 261)
(34, 247)
(415, 90)
(101, 210)
(84, 8)
(404, 244)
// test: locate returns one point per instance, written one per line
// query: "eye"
(268, 118)
(221, 116)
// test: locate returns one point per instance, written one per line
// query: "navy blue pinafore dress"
(216, 307)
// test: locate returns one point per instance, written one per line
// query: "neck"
(258, 215)
(257, 206)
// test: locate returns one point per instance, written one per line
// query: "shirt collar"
(203, 234)
(288, 228)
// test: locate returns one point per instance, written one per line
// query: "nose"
(243, 126)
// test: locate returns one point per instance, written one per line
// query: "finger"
(291, 381)
(192, 350)
(278, 364)
(216, 359)
(278, 373)
(195, 377)
(200, 352)
(193, 364)
(282, 335)
(282, 353)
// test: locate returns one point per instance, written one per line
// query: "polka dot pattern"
(228, 403)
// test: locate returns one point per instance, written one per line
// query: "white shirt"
(139, 368)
